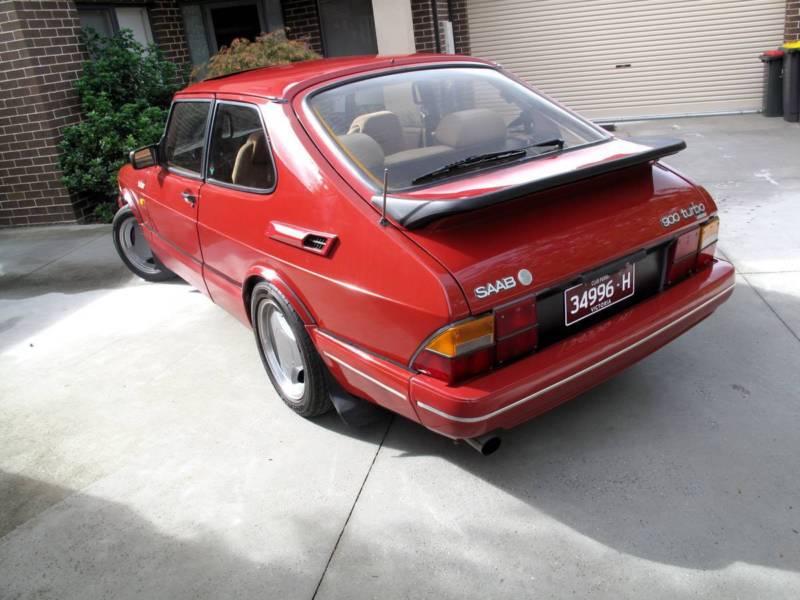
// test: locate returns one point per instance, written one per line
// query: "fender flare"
(128, 198)
(275, 280)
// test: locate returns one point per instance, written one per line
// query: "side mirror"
(144, 157)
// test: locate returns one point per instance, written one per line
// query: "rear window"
(418, 123)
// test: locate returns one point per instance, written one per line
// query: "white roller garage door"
(615, 58)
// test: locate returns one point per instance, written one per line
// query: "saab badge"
(503, 284)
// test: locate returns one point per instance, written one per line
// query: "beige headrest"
(384, 127)
(364, 150)
(248, 169)
(260, 153)
(471, 127)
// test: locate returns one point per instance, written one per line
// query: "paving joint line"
(771, 308)
(352, 508)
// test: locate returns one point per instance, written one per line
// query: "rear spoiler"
(412, 213)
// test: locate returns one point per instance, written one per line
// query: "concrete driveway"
(143, 453)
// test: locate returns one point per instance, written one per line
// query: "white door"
(621, 58)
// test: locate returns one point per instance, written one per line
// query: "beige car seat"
(253, 164)
(364, 151)
(472, 127)
(384, 127)
(456, 131)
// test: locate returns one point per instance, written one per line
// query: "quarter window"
(186, 134)
(239, 153)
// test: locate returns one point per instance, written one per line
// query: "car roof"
(284, 81)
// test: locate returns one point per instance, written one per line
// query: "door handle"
(189, 198)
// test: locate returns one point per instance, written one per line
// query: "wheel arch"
(275, 280)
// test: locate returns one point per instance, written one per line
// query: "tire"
(133, 249)
(287, 353)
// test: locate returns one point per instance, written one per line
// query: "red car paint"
(375, 294)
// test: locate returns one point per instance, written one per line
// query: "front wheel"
(289, 357)
(134, 250)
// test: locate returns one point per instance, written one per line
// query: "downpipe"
(485, 444)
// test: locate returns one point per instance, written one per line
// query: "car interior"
(376, 141)
(412, 128)
(239, 153)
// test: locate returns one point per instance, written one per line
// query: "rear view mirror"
(144, 157)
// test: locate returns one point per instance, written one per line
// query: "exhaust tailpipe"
(485, 444)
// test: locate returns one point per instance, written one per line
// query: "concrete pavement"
(143, 453)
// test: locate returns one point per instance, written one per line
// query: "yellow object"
(464, 337)
(709, 233)
(792, 45)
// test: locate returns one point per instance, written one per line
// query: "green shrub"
(124, 90)
(266, 50)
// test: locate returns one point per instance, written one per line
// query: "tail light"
(474, 346)
(708, 243)
(692, 251)
(516, 330)
(461, 350)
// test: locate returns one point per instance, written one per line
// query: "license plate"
(589, 298)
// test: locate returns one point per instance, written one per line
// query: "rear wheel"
(289, 357)
(134, 250)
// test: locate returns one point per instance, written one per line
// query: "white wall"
(394, 27)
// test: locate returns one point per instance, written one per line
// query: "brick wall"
(422, 16)
(166, 22)
(301, 21)
(458, 16)
(40, 56)
(792, 27)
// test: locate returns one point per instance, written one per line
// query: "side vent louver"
(315, 242)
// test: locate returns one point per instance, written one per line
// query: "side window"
(239, 153)
(186, 134)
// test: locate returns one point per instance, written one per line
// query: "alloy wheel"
(284, 358)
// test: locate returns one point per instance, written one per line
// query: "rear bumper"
(529, 387)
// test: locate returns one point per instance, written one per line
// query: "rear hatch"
(617, 222)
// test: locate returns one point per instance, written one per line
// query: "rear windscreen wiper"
(470, 161)
(480, 159)
(547, 143)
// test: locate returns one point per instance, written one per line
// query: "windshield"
(430, 124)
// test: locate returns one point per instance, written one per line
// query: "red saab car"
(424, 232)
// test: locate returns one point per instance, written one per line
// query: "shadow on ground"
(92, 547)
(688, 458)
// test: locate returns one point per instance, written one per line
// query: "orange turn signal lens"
(463, 338)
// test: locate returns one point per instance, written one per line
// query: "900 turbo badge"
(693, 210)
(506, 283)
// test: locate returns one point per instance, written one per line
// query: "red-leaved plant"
(266, 50)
